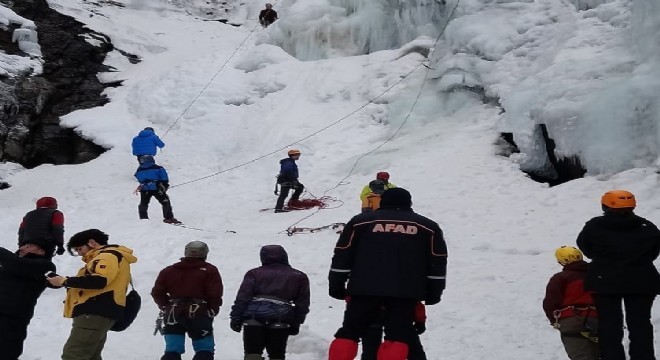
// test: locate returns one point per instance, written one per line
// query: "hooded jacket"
(100, 286)
(22, 280)
(149, 175)
(191, 278)
(623, 248)
(275, 279)
(145, 143)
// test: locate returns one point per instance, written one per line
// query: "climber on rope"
(371, 192)
(288, 179)
(267, 16)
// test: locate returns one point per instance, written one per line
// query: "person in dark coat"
(267, 16)
(154, 182)
(22, 280)
(394, 258)
(571, 309)
(45, 226)
(622, 247)
(270, 305)
(190, 295)
(288, 179)
(146, 143)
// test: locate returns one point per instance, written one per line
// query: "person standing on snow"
(267, 16)
(96, 296)
(288, 179)
(146, 142)
(270, 305)
(43, 226)
(21, 283)
(622, 247)
(394, 258)
(189, 293)
(154, 182)
(570, 308)
(371, 192)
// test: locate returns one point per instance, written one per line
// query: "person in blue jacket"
(146, 142)
(288, 179)
(154, 182)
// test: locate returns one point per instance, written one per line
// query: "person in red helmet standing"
(371, 192)
(288, 179)
(43, 226)
(622, 247)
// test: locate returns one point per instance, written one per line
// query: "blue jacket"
(149, 174)
(288, 170)
(145, 143)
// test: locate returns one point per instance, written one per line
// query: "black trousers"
(638, 321)
(284, 192)
(163, 199)
(361, 312)
(256, 338)
(374, 336)
(13, 332)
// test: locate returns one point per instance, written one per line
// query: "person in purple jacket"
(271, 303)
(146, 143)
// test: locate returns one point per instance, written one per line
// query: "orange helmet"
(619, 199)
(293, 152)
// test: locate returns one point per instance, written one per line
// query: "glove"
(294, 329)
(60, 250)
(432, 299)
(337, 288)
(420, 328)
(236, 325)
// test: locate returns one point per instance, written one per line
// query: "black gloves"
(420, 328)
(60, 249)
(432, 299)
(236, 325)
(294, 329)
(337, 282)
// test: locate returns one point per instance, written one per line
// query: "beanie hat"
(47, 202)
(196, 249)
(146, 159)
(396, 198)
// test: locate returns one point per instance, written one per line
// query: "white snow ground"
(501, 227)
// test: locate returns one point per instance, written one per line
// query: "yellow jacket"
(371, 200)
(100, 286)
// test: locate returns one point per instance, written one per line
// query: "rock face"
(30, 106)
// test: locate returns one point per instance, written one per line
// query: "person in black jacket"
(44, 225)
(22, 280)
(267, 16)
(288, 180)
(622, 247)
(270, 305)
(394, 258)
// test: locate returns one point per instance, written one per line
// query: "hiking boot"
(281, 210)
(172, 221)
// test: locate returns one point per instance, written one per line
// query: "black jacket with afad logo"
(622, 249)
(391, 253)
(22, 280)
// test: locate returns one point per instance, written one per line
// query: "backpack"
(133, 303)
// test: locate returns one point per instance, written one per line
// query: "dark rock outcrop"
(31, 106)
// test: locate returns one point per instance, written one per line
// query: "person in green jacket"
(371, 192)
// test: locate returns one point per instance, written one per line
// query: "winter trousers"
(638, 320)
(374, 337)
(191, 319)
(397, 316)
(14, 332)
(273, 339)
(163, 199)
(576, 345)
(87, 338)
(284, 192)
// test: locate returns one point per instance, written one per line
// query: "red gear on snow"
(392, 350)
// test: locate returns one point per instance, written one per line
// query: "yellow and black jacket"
(100, 286)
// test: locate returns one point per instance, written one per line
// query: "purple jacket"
(275, 279)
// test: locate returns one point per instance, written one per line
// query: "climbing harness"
(578, 311)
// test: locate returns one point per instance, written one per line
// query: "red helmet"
(47, 202)
(383, 175)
